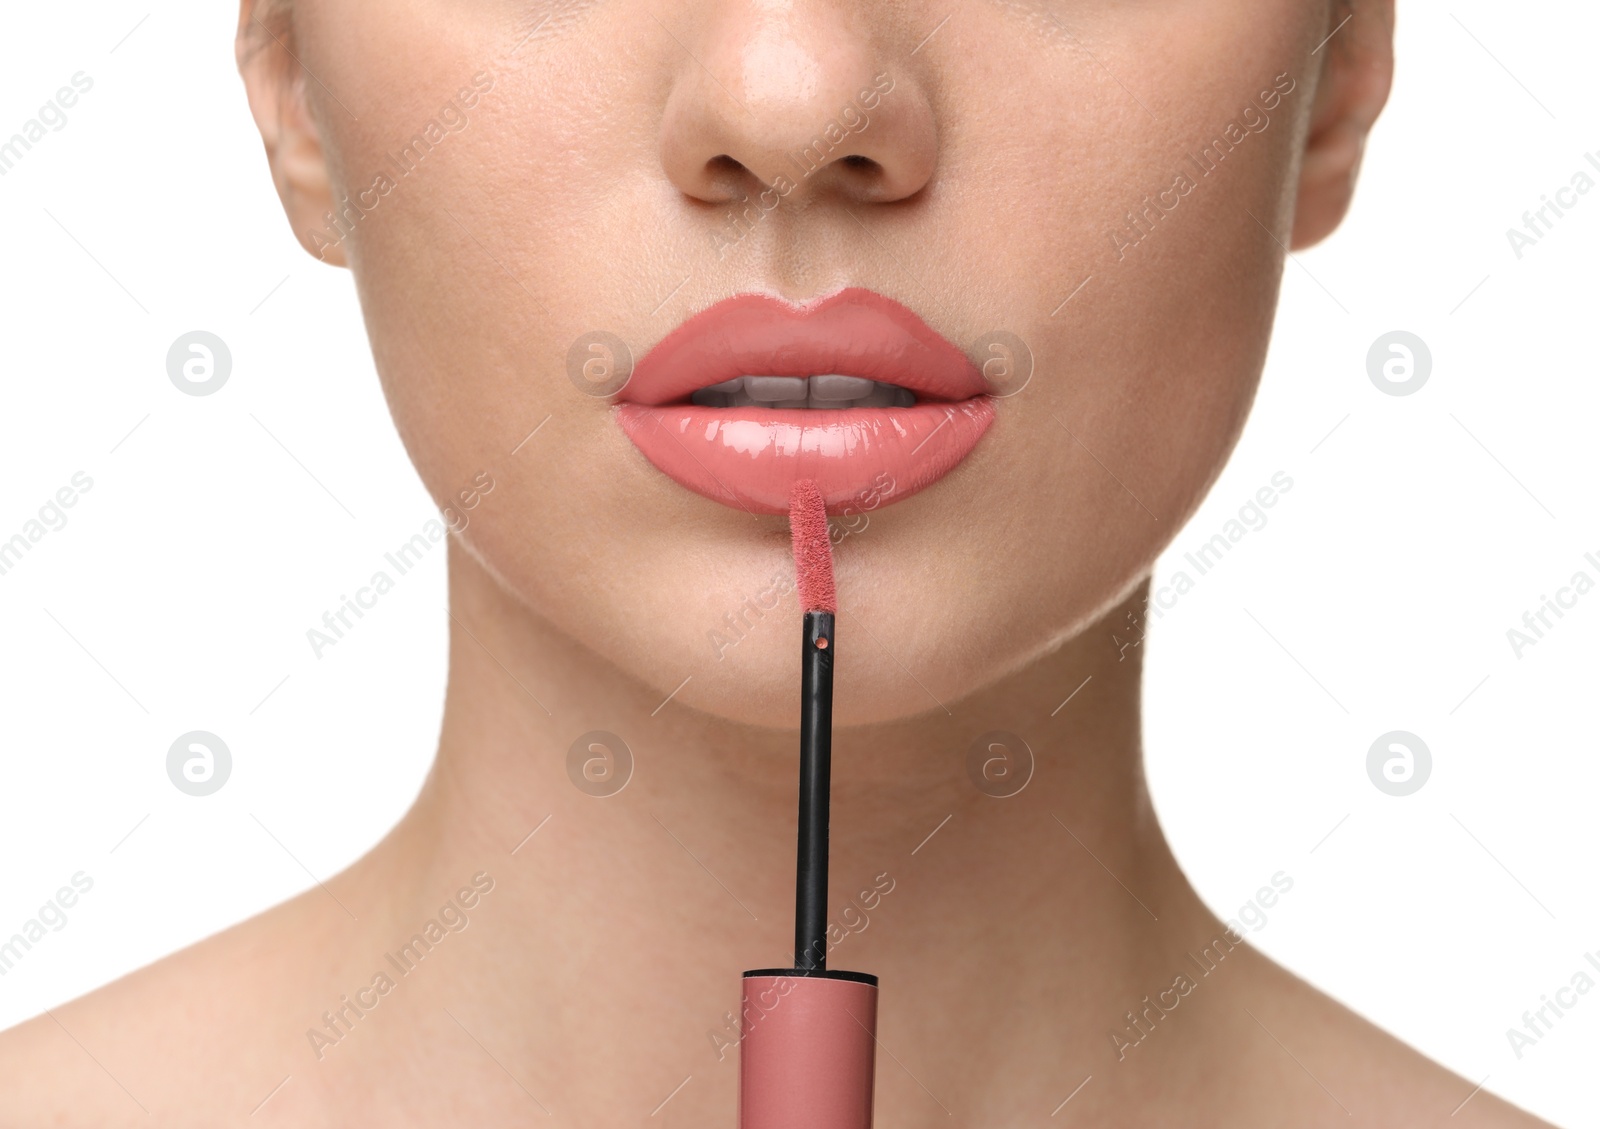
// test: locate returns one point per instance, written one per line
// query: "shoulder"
(198, 1038)
(1330, 1058)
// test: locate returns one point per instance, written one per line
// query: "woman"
(576, 231)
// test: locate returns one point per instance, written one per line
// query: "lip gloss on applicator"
(807, 1052)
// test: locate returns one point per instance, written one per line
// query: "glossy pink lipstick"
(923, 403)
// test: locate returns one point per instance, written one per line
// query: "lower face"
(1102, 179)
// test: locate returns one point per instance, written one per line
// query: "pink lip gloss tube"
(807, 1050)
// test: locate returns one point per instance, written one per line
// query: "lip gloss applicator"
(809, 1033)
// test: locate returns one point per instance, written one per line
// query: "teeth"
(833, 387)
(771, 389)
(825, 392)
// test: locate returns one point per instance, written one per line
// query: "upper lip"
(854, 332)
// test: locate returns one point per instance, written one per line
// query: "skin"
(588, 185)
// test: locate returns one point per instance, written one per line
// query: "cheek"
(1143, 275)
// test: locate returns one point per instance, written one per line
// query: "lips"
(749, 456)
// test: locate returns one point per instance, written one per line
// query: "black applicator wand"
(808, 1035)
(813, 558)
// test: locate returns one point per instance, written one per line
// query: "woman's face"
(1105, 182)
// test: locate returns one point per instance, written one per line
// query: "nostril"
(726, 179)
(860, 163)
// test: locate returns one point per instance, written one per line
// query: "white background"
(1418, 530)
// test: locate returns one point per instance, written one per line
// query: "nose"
(809, 92)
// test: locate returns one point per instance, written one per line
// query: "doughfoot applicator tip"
(813, 552)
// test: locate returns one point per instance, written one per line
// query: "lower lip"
(862, 458)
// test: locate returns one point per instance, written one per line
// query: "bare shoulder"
(199, 1038)
(1331, 1058)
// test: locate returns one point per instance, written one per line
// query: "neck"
(618, 925)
